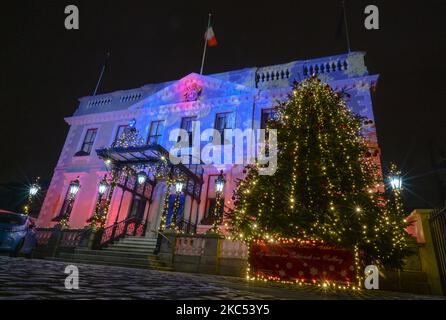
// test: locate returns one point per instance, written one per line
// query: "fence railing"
(187, 226)
(54, 239)
(69, 238)
(234, 249)
(43, 236)
(194, 246)
(437, 222)
(127, 227)
(190, 246)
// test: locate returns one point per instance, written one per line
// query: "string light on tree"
(325, 187)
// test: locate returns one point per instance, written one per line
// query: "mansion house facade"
(240, 99)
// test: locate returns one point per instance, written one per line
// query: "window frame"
(157, 134)
(118, 133)
(183, 121)
(90, 143)
(266, 111)
(222, 131)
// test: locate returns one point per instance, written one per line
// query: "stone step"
(115, 264)
(112, 259)
(406, 281)
(105, 252)
(142, 239)
(133, 245)
(131, 248)
(136, 242)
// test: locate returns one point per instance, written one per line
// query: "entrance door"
(137, 208)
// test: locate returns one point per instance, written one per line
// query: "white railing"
(325, 67)
(99, 102)
(190, 246)
(233, 249)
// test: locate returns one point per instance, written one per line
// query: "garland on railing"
(64, 223)
(169, 183)
(217, 214)
(101, 211)
(176, 206)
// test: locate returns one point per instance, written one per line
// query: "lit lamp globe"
(102, 188)
(179, 186)
(74, 187)
(33, 190)
(220, 183)
(142, 177)
(396, 182)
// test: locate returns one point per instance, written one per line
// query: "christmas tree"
(326, 186)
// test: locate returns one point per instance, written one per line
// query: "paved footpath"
(40, 279)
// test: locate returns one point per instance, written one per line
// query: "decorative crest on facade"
(192, 92)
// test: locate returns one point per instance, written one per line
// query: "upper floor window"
(155, 132)
(119, 133)
(87, 145)
(267, 114)
(224, 121)
(186, 124)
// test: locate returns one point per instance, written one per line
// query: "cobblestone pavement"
(40, 279)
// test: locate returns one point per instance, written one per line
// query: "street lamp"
(219, 186)
(142, 177)
(103, 186)
(74, 187)
(220, 183)
(179, 186)
(33, 189)
(32, 192)
(396, 182)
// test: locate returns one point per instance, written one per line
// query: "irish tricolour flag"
(210, 37)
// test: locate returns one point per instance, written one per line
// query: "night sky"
(45, 68)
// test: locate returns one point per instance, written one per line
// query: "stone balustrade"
(204, 253)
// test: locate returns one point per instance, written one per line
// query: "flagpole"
(346, 26)
(102, 73)
(205, 44)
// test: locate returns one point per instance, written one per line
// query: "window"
(155, 132)
(224, 121)
(87, 145)
(267, 114)
(186, 124)
(119, 133)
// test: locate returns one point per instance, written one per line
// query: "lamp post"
(99, 216)
(103, 186)
(219, 186)
(141, 177)
(395, 179)
(33, 191)
(396, 182)
(73, 189)
(179, 185)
